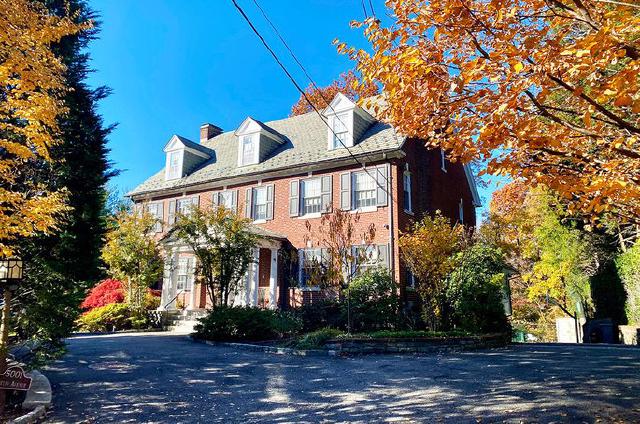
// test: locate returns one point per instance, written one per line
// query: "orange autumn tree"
(347, 84)
(30, 103)
(543, 90)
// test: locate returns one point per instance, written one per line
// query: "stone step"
(185, 326)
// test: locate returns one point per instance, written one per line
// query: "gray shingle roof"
(305, 143)
(196, 146)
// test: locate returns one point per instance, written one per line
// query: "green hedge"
(234, 323)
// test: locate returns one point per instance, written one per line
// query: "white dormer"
(182, 156)
(255, 142)
(347, 122)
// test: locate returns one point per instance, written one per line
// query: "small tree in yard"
(222, 243)
(133, 255)
(337, 234)
(428, 250)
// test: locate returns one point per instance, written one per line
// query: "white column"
(273, 278)
(168, 282)
(255, 267)
(192, 281)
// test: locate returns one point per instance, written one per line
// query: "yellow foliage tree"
(543, 90)
(30, 103)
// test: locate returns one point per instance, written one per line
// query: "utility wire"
(297, 86)
(364, 9)
(373, 12)
(315, 86)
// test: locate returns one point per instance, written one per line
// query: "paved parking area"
(163, 378)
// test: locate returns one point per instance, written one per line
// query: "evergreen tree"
(62, 266)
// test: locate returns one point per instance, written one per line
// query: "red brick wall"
(432, 189)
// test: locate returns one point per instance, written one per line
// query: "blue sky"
(173, 65)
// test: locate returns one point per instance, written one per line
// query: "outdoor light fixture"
(11, 271)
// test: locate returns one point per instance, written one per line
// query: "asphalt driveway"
(169, 379)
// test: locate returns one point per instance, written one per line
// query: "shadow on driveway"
(158, 377)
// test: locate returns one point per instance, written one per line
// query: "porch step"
(182, 321)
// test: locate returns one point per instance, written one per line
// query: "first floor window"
(366, 257)
(311, 196)
(410, 279)
(259, 203)
(407, 192)
(310, 264)
(364, 190)
(183, 274)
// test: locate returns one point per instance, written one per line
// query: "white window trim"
(302, 192)
(300, 267)
(410, 191)
(346, 117)
(255, 140)
(167, 173)
(254, 204)
(160, 220)
(370, 208)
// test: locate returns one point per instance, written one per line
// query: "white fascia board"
(472, 185)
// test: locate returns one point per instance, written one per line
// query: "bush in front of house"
(374, 301)
(104, 293)
(112, 317)
(475, 291)
(244, 323)
(320, 314)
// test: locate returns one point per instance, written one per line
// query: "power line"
(284, 69)
(315, 86)
(373, 12)
(364, 9)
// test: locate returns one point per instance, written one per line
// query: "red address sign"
(14, 378)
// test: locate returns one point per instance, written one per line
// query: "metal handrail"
(174, 298)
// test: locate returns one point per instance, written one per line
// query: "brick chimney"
(208, 131)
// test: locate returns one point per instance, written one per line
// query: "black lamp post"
(10, 276)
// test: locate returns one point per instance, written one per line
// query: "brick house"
(283, 173)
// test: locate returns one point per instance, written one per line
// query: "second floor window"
(155, 210)
(407, 192)
(184, 206)
(248, 150)
(260, 203)
(364, 190)
(311, 196)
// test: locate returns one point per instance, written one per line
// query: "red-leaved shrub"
(104, 293)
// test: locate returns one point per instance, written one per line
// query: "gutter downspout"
(392, 252)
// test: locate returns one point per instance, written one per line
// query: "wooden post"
(4, 341)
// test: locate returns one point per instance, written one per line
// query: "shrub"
(628, 264)
(152, 300)
(318, 338)
(475, 290)
(104, 293)
(227, 323)
(320, 314)
(374, 301)
(112, 317)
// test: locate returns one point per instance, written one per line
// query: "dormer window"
(174, 165)
(256, 142)
(183, 156)
(340, 130)
(346, 121)
(249, 151)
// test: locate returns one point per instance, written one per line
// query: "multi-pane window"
(407, 192)
(310, 264)
(225, 198)
(183, 282)
(174, 164)
(340, 130)
(155, 210)
(248, 150)
(364, 190)
(366, 257)
(185, 206)
(410, 279)
(311, 196)
(259, 203)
